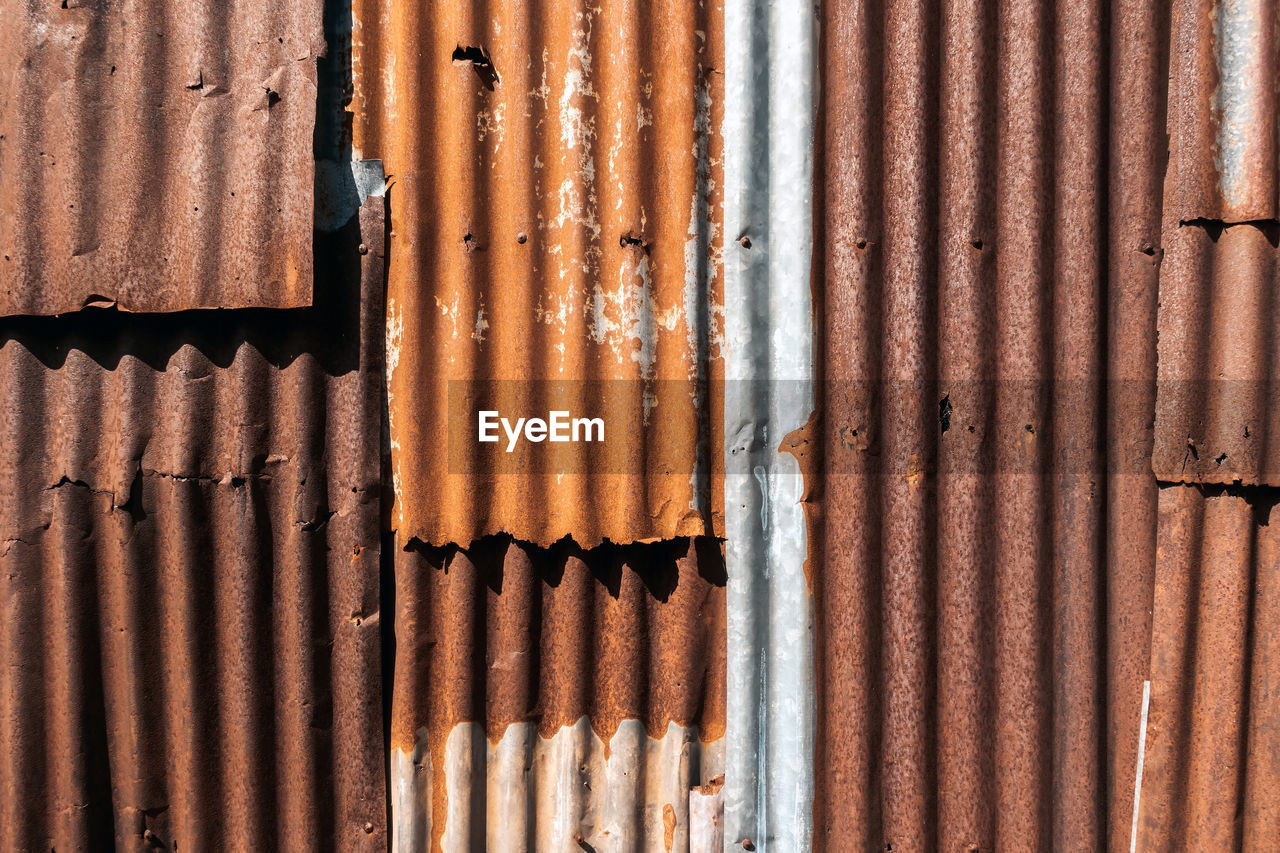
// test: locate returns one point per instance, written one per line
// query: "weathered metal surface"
(1222, 110)
(983, 511)
(555, 217)
(1218, 413)
(1212, 759)
(528, 643)
(189, 573)
(770, 101)
(569, 791)
(156, 155)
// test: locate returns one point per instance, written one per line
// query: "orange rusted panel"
(555, 208)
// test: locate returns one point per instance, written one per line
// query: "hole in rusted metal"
(480, 62)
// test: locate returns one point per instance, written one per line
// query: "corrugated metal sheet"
(540, 694)
(984, 527)
(555, 208)
(770, 101)
(1212, 759)
(189, 573)
(1222, 110)
(157, 155)
(1217, 419)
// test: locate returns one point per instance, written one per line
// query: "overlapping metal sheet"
(190, 572)
(1212, 759)
(555, 204)
(156, 155)
(983, 526)
(542, 695)
(1218, 418)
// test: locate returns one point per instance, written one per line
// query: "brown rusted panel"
(988, 256)
(1218, 418)
(156, 154)
(555, 207)
(1222, 110)
(504, 633)
(1212, 747)
(189, 573)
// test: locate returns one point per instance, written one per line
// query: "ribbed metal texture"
(1212, 760)
(156, 154)
(1222, 110)
(983, 534)
(189, 573)
(555, 205)
(548, 654)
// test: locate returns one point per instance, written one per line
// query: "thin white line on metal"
(1142, 751)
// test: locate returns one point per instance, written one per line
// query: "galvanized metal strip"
(770, 98)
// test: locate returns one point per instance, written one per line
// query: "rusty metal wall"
(189, 572)
(555, 202)
(156, 155)
(983, 529)
(530, 684)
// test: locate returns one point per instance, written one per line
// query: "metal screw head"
(744, 241)
(368, 826)
(364, 250)
(521, 238)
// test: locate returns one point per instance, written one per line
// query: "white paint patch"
(395, 340)
(411, 797)
(706, 822)
(481, 326)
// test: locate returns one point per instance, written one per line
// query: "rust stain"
(157, 157)
(555, 219)
(668, 826)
